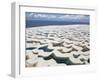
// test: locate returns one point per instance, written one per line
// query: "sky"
(57, 17)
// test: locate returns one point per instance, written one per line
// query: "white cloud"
(31, 14)
(74, 17)
(44, 16)
(39, 15)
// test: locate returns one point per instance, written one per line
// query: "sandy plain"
(58, 45)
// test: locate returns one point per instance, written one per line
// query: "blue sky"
(44, 19)
(56, 17)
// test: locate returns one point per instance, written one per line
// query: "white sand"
(57, 45)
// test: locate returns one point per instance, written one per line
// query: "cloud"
(40, 16)
(72, 17)
(45, 16)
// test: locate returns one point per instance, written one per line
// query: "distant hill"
(36, 23)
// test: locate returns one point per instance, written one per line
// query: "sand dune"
(57, 45)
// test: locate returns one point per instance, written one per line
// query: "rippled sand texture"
(57, 45)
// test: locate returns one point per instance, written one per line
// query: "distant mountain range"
(36, 23)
